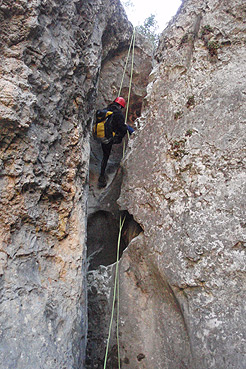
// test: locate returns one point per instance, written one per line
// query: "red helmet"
(120, 101)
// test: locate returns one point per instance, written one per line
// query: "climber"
(119, 129)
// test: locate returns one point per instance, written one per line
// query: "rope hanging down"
(127, 58)
(116, 287)
(130, 83)
(116, 279)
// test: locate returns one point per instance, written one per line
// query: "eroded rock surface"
(186, 188)
(51, 54)
(110, 80)
(103, 211)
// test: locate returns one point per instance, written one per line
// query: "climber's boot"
(102, 181)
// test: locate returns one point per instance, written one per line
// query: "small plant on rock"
(190, 101)
(184, 39)
(176, 145)
(187, 38)
(206, 30)
(177, 150)
(189, 133)
(178, 115)
(213, 47)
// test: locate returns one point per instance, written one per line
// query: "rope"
(130, 84)
(116, 280)
(118, 306)
(124, 72)
(116, 284)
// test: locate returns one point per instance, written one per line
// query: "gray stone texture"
(183, 279)
(103, 210)
(51, 53)
(111, 74)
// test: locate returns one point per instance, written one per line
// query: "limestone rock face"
(185, 276)
(51, 54)
(112, 72)
(103, 211)
(111, 77)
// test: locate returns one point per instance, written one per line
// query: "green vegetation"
(149, 26)
(184, 39)
(189, 132)
(213, 47)
(190, 101)
(178, 115)
(206, 30)
(149, 29)
(176, 145)
(188, 37)
(177, 150)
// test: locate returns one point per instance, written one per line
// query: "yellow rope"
(130, 85)
(114, 296)
(116, 280)
(124, 72)
(118, 306)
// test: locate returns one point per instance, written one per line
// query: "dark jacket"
(117, 122)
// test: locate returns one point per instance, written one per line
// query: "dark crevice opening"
(102, 237)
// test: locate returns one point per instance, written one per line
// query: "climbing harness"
(116, 279)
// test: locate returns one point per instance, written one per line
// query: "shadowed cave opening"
(102, 237)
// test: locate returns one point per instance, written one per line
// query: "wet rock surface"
(187, 192)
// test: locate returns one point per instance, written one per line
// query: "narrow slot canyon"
(178, 181)
(103, 211)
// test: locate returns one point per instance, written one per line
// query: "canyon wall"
(51, 54)
(103, 210)
(183, 278)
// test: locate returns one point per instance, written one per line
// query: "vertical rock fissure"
(103, 210)
(102, 236)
